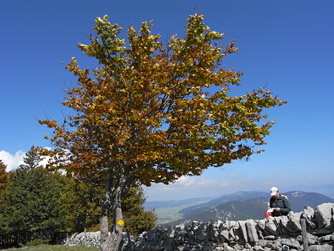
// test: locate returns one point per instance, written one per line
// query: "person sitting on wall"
(279, 204)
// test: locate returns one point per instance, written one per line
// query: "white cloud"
(190, 187)
(185, 181)
(12, 161)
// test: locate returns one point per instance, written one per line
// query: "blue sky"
(286, 45)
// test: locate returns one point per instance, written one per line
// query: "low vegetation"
(55, 248)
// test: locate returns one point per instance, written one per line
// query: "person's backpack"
(285, 198)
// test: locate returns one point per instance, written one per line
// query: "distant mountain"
(233, 210)
(238, 196)
(300, 199)
(253, 208)
(174, 203)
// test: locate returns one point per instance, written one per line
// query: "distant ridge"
(238, 196)
(174, 203)
(246, 205)
(301, 199)
(235, 206)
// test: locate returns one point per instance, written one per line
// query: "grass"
(54, 248)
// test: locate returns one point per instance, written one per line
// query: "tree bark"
(104, 235)
(111, 241)
(116, 231)
(104, 232)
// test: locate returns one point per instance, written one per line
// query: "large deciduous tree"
(153, 112)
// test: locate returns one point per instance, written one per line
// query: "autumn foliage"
(153, 112)
(3, 178)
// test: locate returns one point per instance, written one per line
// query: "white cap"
(273, 191)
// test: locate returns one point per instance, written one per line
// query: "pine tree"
(32, 159)
(32, 202)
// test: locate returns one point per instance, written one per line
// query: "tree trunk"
(104, 232)
(104, 235)
(115, 237)
(114, 193)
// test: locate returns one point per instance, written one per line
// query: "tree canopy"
(3, 178)
(31, 202)
(153, 112)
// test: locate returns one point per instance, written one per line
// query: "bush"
(37, 242)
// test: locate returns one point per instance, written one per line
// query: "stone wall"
(273, 233)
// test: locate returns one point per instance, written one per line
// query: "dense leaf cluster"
(3, 178)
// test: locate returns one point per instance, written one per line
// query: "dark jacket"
(283, 203)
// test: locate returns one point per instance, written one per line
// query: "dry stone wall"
(273, 233)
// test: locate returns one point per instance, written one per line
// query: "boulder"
(291, 242)
(201, 232)
(224, 234)
(308, 215)
(329, 237)
(325, 247)
(242, 225)
(294, 222)
(271, 226)
(312, 239)
(251, 230)
(261, 224)
(323, 215)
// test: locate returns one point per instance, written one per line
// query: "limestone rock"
(251, 230)
(325, 247)
(291, 242)
(294, 222)
(242, 225)
(308, 215)
(312, 239)
(323, 215)
(271, 226)
(329, 237)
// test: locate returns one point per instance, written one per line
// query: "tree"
(83, 206)
(82, 203)
(153, 113)
(3, 179)
(32, 159)
(3, 186)
(32, 204)
(137, 220)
